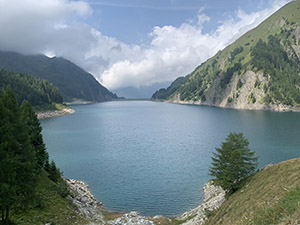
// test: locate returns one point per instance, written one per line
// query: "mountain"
(73, 82)
(258, 71)
(36, 91)
(143, 92)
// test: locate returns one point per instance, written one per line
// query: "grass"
(48, 207)
(108, 215)
(51, 107)
(285, 207)
(271, 196)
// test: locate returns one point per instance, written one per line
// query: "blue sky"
(131, 21)
(129, 42)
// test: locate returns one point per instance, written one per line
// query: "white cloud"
(176, 51)
(57, 27)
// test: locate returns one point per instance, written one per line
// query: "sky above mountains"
(129, 42)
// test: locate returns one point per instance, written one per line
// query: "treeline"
(36, 91)
(23, 156)
(271, 58)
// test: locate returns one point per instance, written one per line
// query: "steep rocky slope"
(261, 70)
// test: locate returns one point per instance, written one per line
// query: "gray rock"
(86, 203)
(214, 196)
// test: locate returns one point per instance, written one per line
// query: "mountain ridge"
(260, 70)
(73, 82)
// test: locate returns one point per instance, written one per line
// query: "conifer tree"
(17, 157)
(34, 130)
(233, 162)
(54, 172)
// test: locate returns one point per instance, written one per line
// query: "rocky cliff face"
(86, 203)
(245, 91)
(214, 196)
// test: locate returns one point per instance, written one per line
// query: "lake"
(154, 157)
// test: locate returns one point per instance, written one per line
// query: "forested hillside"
(258, 71)
(40, 93)
(72, 81)
(31, 187)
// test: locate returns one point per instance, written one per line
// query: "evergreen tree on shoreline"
(233, 162)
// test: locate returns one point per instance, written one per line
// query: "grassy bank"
(50, 107)
(271, 196)
(49, 206)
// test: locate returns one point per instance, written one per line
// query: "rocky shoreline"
(91, 209)
(54, 113)
(214, 196)
(275, 108)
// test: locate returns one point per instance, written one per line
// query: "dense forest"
(271, 58)
(36, 91)
(23, 159)
(73, 82)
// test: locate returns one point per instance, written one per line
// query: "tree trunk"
(2, 214)
(7, 215)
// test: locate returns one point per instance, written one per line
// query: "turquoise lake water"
(153, 157)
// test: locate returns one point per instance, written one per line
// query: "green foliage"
(272, 59)
(49, 206)
(165, 93)
(233, 162)
(22, 157)
(252, 98)
(26, 87)
(17, 157)
(73, 82)
(34, 130)
(235, 52)
(54, 172)
(228, 75)
(239, 84)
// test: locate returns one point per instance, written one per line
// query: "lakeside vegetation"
(233, 163)
(28, 181)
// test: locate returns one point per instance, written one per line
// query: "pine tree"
(34, 130)
(54, 172)
(233, 162)
(17, 157)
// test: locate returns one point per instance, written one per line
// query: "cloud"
(176, 51)
(59, 27)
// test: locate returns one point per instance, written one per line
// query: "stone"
(86, 203)
(214, 196)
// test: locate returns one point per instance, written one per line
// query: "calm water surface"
(154, 157)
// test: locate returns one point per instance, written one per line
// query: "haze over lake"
(153, 157)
